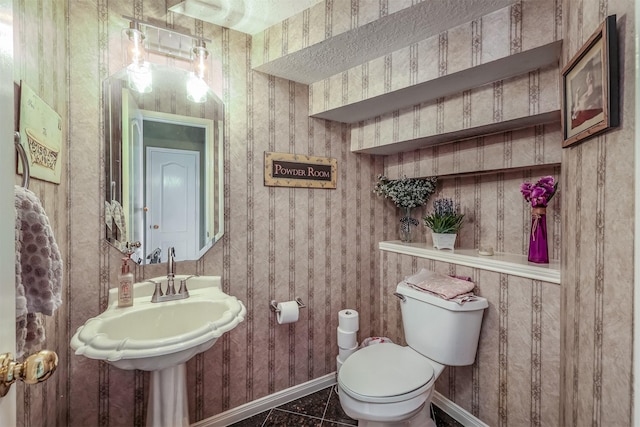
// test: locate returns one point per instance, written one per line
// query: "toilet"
(388, 385)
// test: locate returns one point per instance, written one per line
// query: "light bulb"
(199, 59)
(136, 44)
(140, 77)
(197, 88)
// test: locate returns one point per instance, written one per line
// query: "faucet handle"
(157, 293)
(183, 285)
(183, 288)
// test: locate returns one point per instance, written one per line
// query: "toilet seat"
(385, 373)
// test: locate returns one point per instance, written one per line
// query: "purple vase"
(538, 251)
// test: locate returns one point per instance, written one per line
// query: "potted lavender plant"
(445, 221)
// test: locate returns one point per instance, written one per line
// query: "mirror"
(163, 167)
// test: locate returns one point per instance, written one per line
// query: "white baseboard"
(265, 403)
(456, 412)
(258, 406)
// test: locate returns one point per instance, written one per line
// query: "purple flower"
(525, 189)
(537, 192)
(546, 181)
(541, 192)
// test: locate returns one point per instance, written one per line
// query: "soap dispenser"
(125, 285)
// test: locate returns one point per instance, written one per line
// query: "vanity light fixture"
(197, 87)
(138, 70)
(182, 51)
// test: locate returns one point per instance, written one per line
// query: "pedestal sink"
(161, 337)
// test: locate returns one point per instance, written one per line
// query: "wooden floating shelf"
(511, 264)
(470, 78)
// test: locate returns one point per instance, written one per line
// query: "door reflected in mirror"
(164, 168)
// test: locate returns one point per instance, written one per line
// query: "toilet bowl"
(388, 385)
(391, 385)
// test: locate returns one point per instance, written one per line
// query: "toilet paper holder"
(274, 305)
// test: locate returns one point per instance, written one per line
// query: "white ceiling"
(247, 16)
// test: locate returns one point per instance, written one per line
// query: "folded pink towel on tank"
(459, 289)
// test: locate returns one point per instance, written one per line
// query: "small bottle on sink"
(125, 285)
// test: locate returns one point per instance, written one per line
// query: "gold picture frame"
(590, 86)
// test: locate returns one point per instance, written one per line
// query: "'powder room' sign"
(295, 170)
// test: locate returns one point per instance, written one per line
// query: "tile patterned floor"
(320, 409)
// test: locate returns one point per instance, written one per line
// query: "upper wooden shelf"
(405, 145)
(470, 78)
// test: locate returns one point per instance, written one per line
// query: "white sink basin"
(154, 336)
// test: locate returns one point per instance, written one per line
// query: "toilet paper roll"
(288, 312)
(348, 320)
(346, 339)
(344, 353)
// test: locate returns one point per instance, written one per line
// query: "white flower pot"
(443, 240)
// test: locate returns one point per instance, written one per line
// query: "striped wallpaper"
(514, 379)
(598, 209)
(267, 231)
(40, 53)
(549, 354)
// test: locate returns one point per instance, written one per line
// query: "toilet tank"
(441, 330)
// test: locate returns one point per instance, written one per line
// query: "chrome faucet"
(171, 294)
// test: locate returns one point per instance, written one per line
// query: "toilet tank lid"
(479, 303)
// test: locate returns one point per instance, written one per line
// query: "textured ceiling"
(345, 50)
(378, 38)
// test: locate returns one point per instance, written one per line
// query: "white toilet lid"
(385, 370)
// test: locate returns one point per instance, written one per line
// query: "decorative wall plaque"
(296, 170)
(41, 136)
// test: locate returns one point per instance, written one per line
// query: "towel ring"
(23, 158)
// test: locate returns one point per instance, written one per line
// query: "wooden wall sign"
(296, 170)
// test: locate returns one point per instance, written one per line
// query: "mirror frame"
(112, 88)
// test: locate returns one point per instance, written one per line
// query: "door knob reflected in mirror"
(35, 369)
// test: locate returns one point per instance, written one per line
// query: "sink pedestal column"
(168, 404)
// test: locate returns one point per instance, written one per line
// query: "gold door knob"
(35, 369)
(156, 226)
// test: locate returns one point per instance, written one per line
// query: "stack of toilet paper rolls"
(348, 325)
